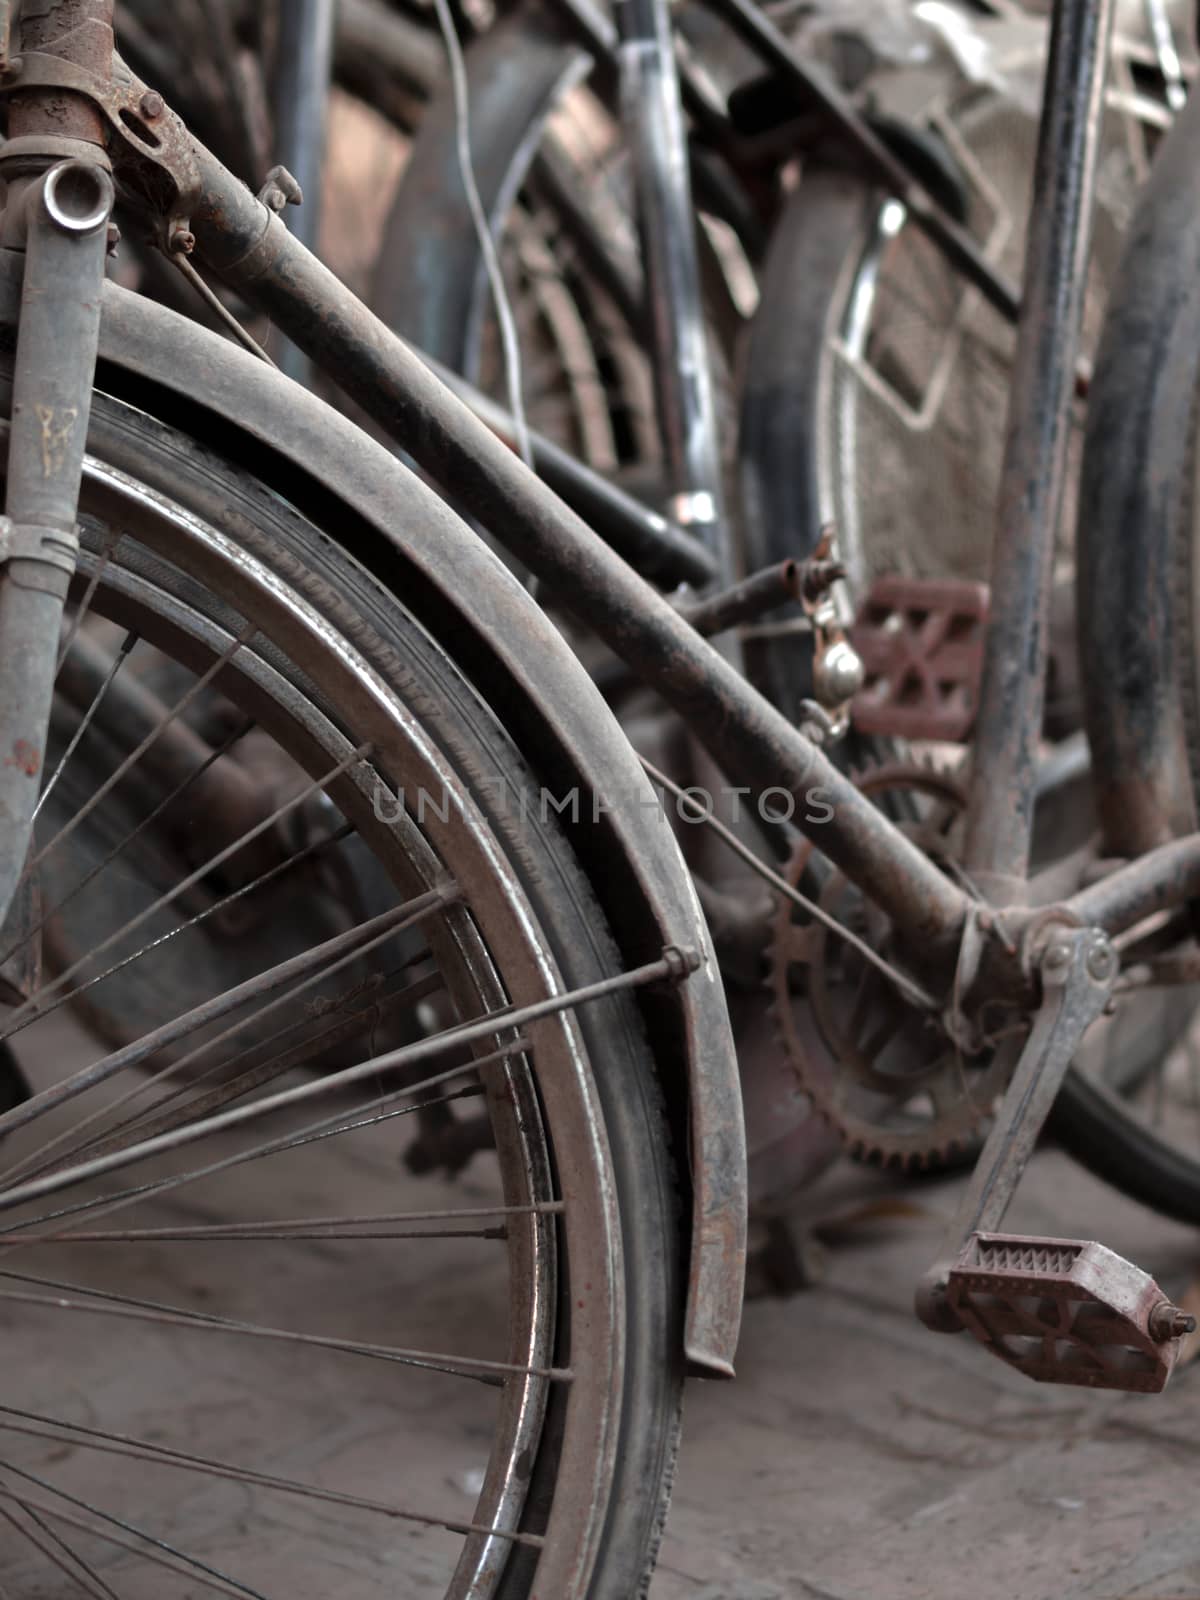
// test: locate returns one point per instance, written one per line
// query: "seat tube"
(1033, 477)
(652, 116)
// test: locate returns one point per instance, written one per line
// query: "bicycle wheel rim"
(214, 563)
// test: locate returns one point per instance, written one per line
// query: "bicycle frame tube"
(653, 119)
(301, 98)
(58, 200)
(1009, 724)
(654, 546)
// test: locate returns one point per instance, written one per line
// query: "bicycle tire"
(819, 235)
(1140, 462)
(166, 464)
(821, 240)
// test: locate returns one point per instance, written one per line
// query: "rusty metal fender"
(489, 623)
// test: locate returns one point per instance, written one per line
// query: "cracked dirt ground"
(855, 1457)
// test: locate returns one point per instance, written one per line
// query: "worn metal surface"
(1067, 1311)
(754, 596)
(80, 34)
(511, 649)
(652, 117)
(65, 214)
(837, 667)
(894, 1086)
(921, 641)
(21, 968)
(304, 69)
(149, 142)
(1160, 881)
(1077, 967)
(655, 547)
(1135, 483)
(1033, 477)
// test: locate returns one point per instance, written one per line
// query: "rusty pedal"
(1067, 1311)
(921, 644)
(1058, 1310)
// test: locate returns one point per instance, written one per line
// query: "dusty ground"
(861, 1458)
(856, 1457)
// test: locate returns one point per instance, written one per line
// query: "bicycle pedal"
(1067, 1311)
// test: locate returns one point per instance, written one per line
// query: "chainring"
(888, 1079)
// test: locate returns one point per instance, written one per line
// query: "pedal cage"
(1067, 1311)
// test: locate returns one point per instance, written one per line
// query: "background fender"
(514, 655)
(430, 282)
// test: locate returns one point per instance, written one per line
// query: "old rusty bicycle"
(292, 662)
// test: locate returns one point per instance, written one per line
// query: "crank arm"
(1078, 967)
(1059, 1310)
(62, 219)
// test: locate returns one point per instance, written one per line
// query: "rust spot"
(26, 756)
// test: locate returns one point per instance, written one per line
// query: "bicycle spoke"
(289, 864)
(85, 721)
(163, 1455)
(393, 1060)
(319, 1228)
(50, 1545)
(312, 966)
(325, 1128)
(71, 1553)
(85, 604)
(208, 1048)
(135, 755)
(155, 1118)
(33, 1010)
(134, 833)
(252, 1230)
(198, 1570)
(103, 1302)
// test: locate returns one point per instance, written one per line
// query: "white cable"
(509, 341)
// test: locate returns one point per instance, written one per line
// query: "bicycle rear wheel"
(278, 780)
(1139, 536)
